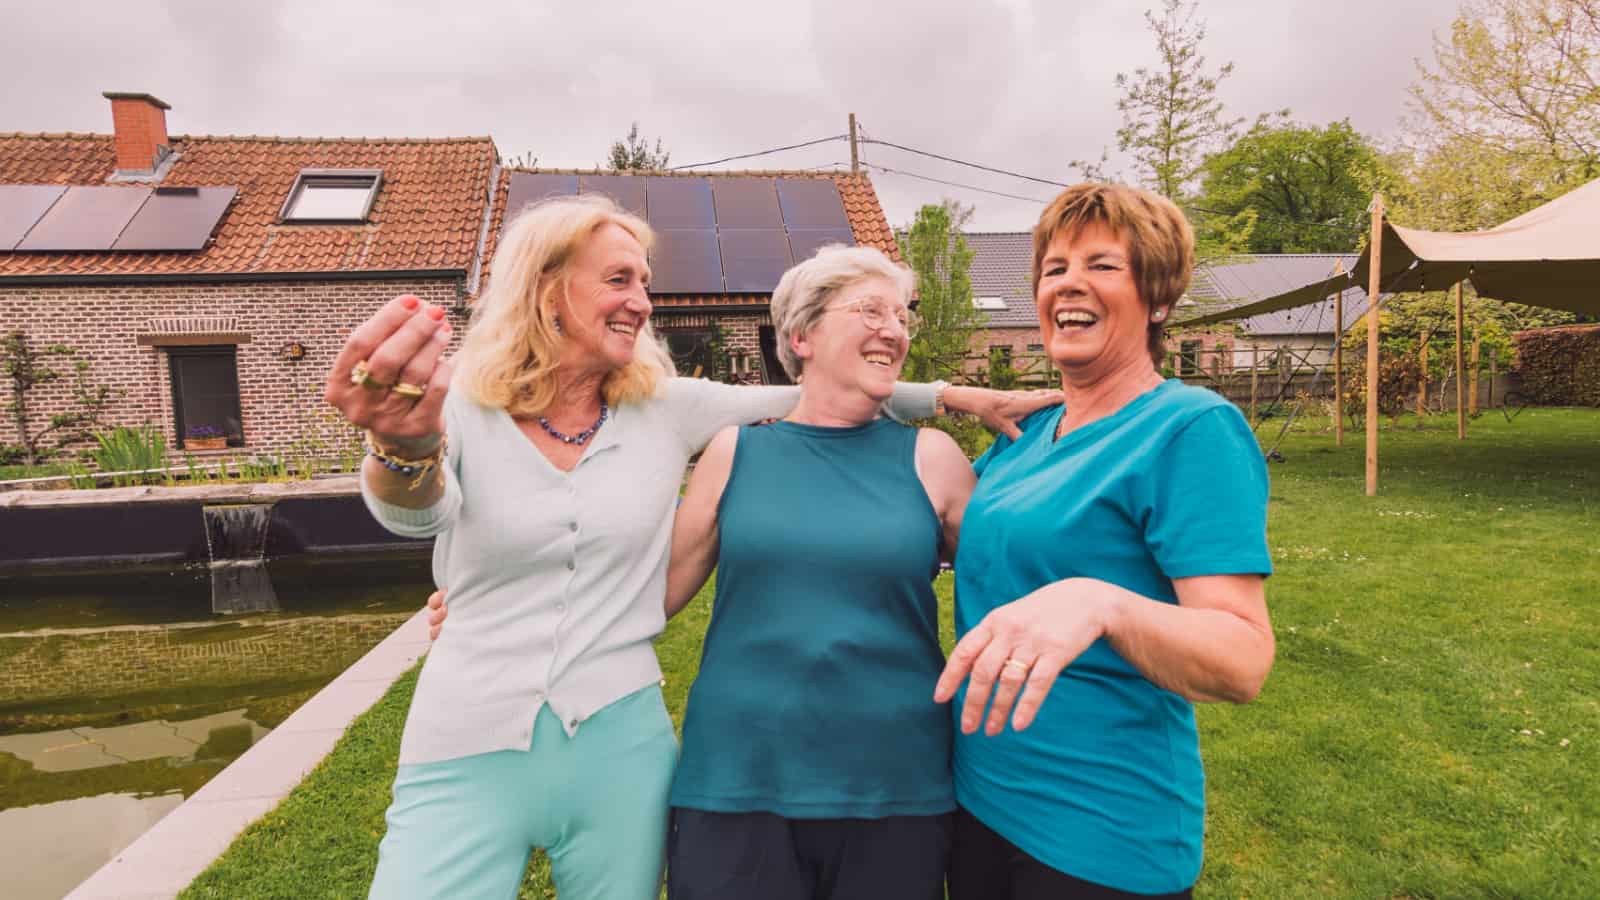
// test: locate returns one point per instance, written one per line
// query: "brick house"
(303, 239)
(210, 280)
(1002, 291)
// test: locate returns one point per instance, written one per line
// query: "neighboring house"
(722, 241)
(1299, 338)
(1002, 290)
(212, 280)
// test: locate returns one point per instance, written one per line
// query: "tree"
(1170, 113)
(28, 369)
(938, 254)
(1299, 188)
(633, 154)
(1520, 77)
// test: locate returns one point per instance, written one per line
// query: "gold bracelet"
(408, 467)
(938, 398)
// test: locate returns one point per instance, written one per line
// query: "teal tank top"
(815, 693)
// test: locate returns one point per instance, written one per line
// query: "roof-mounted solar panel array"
(37, 218)
(735, 234)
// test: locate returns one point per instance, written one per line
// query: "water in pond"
(121, 693)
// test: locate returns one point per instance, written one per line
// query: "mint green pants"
(596, 803)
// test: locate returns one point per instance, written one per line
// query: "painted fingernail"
(409, 302)
(436, 313)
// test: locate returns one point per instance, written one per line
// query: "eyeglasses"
(876, 312)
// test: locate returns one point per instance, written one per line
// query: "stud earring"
(1158, 315)
(558, 325)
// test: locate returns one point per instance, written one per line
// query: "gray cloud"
(1018, 84)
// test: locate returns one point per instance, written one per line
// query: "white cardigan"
(557, 579)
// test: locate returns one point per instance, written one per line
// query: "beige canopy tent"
(1549, 256)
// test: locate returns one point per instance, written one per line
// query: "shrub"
(1560, 366)
(126, 449)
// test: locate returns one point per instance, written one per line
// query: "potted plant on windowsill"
(204, 437)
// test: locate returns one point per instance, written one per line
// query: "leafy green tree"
(633, 154)
(1520, 77)
(27, 369)
(1170, 112)
(1299, 188)
(938, 254)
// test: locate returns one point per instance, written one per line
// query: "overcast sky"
(1025, 85)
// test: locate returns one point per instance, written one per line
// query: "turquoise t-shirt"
(1106, 784)
(815, 693)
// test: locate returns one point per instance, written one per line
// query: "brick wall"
(280, 400)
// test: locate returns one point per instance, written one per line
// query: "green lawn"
(1431, 729)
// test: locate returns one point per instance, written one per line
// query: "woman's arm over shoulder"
(948, 478)
(698, 408)
(694, 529)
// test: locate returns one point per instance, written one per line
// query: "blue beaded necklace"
(582, 436)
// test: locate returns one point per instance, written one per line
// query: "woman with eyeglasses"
(813, 764)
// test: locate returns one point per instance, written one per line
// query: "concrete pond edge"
(165, 859)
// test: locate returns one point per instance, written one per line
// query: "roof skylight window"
(332, 195)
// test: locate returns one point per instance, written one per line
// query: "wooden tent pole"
(1374, 282)
(1461, 372)
(1338, 364)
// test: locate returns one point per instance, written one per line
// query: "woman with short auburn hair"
(1110, 574)
(549, 481)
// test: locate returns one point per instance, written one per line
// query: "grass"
(1431, 728)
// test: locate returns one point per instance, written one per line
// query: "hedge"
(1560, 366)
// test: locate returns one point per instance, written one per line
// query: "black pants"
(761, 856)
(986, 866)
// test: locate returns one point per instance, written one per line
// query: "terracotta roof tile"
(428, 214)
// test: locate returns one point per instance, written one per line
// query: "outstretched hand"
(1019, 649)
(1000, 410)
(391, 378)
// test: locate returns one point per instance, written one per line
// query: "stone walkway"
(166, 858)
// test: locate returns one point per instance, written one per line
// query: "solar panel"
(531, 187)
(626, 190)
(804, 242)
(85, 218)
(753, 259)
(686, 261)
(21, 205)
(746, 203)
(679, 202)
(811, 203)
(176, 219)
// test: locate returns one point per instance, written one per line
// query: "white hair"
(806, 289)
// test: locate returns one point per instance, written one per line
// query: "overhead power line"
(957, 184)
(837, 137)
(962, 162)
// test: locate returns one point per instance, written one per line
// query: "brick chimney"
(140, 125)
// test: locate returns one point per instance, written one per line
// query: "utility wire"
(957, 184)
(962, 162)
(837, 137)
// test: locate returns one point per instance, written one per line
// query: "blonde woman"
(538, 720)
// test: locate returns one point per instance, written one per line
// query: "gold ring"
(361, 377)
(1018, 663)
(407, 389)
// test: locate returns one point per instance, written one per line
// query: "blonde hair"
(513, 345)
(806, 289)
(1159, 238)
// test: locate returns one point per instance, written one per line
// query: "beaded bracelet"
(415, 469)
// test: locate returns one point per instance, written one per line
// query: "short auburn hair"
(1160, 241)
